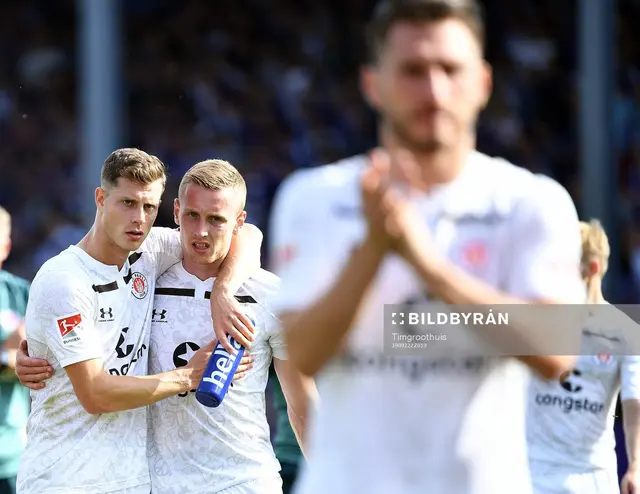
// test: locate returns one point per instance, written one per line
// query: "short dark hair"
(389, 12)
(133, 164)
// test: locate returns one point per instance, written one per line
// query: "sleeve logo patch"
(67, 325)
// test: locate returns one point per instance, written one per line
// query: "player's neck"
(103, 250)
(437, 167)
(594, 292)
(202, 271)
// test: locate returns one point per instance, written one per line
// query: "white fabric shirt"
(193, 448)
(570, 421)
(453, 424)
(80, 309)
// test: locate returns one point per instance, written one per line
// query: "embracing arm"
(243, 259)
(242, 262)
(100, 392)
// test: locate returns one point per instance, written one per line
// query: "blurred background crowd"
(272, 85)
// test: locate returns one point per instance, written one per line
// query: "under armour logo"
(159, 315)
(106, 312)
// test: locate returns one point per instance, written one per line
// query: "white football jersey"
(452, 423)
(570, 421)
(80, 309)
(193, 448)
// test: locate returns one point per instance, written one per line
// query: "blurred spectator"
(273, 86)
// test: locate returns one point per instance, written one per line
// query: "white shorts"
(554, 479)
(269, 485)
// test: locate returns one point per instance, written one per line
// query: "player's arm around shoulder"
(163, 245)
(243, 259)
(241, 263)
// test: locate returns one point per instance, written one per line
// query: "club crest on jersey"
(474, 256)
(139, 285)
(603, 359)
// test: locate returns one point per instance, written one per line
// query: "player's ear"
(369, 85)
(240, 222)
(486, 84)
(101, 197)
(176, 211)
(594, 267)
(5, 250)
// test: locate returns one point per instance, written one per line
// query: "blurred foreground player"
(477, 230)
(226, 449)
(89, 312)
(14, 399)
(570, 421)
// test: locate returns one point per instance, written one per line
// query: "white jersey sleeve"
(274, 330)
(546, 251)
(164, 246)
(299, 242)
(630, 378)
(264, 287)
(277, 340)
(61, 314)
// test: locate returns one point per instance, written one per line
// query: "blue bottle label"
(223, 364)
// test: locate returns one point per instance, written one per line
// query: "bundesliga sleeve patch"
(67, 325)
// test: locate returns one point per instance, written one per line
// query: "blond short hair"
(595, 244)
(5, 223)
(215, 174)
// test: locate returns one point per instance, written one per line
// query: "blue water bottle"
(218, 375)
